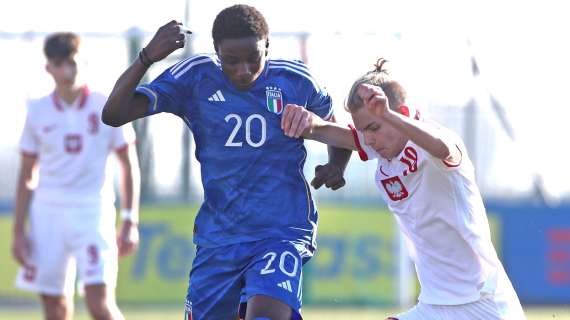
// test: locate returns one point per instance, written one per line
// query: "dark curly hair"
(61, 45)
(380, 77)
(239, 21)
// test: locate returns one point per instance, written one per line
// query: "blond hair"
(380, 77)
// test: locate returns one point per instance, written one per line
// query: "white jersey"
(72, 145)
(441, 213)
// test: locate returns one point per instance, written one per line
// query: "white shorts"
(66, 239)
(501, 307)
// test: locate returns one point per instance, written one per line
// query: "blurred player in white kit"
(427, 180)
(71, 228)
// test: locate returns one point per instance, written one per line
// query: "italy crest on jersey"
(274, 99)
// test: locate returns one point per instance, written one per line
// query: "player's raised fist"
(167, 39)
(374, 99)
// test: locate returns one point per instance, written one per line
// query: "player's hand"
(128, 238)
(330, 175)
(21, 248)
(374, 99)
(167, 39)
(296, 121)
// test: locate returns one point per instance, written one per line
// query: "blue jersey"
(252, 174)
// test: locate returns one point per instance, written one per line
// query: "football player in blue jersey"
(257, 224)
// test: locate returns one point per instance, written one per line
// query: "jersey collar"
(82, 99)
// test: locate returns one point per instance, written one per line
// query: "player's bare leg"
(265, 307)
(57, 307)
(101, 303)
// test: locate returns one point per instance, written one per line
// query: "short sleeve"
(452, 165)
(320, 103)
(29, 140)
(365, 152)
(458, 143)
(318, 99)
(166, 93)
(122, 136)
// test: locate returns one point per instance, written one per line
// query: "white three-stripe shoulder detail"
(292, 63)
(297, 71)
(181, 68)
(185, 61)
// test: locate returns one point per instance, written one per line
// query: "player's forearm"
(130, 180)
(331, 134)
(127, 191)
(23, 198)
(339, 156)
(122, 105)
(421, 133)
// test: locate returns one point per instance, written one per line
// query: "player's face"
(378, 134)
(63, 70)
(242, 60)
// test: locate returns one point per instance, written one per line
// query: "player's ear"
(49, 68)
(405, 110)
(266, 47)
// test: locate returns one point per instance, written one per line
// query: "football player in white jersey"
(427, 180)
(71, 228)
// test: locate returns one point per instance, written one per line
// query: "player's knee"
(56, 308)
(102, 310)
(57, 312)
(100, 313)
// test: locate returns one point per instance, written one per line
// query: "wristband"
(145, 60)
(129, 214)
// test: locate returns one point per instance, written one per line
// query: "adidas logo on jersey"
(285, 285)
(218, 96)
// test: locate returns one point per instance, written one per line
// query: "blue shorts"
(223, 277)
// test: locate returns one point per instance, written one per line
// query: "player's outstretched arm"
(20, 245)
(128, 237)
(331, 174)
(297, 122)
(123, 104)
(427, 136)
